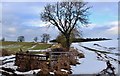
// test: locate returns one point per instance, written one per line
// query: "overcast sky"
(23, 18)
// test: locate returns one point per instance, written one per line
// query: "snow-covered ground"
(90, 64)
(28, 72)
(9, 61)
(12, 66)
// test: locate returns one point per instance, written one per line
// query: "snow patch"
(28, 72)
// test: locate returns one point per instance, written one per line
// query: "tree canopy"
(66, 16)
(21, 38)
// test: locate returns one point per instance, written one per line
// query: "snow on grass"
(6, 57)
(4, 71)
(64, 70)
(12, 66)
(28, 72)
(9, 60)
(32, 47)
(90, 64)
(51, 73)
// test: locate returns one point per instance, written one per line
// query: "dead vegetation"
(5, 52)
(27, 61)
(109, 70)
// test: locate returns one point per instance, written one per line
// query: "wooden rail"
(27, 61)
(31, 56)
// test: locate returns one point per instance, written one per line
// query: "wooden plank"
(30, 55)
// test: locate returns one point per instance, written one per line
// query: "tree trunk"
(67, 42)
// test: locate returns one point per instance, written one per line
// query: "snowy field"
(89, 64)
(8, 62)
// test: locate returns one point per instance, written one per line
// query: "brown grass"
(5, 52)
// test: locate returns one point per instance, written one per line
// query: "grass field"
(16, 46)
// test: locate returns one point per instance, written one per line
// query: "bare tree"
(66, 16)
(35, 39)
(45, 38)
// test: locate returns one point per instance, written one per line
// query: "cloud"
(36, 23)
(108, 30)
(29, 32)
(12, 29)
(22, 9)
(113, 29)
(114, 23)
(24, 19)
(90, 26)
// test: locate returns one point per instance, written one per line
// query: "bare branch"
(65, 16)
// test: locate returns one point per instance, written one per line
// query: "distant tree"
(3, 39)
(66, 16)
(35, 39)
(45, 38)
(21, 38)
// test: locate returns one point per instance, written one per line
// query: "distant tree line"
(44, 38)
